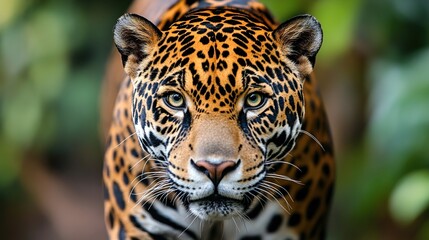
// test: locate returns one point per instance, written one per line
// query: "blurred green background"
(373, 69)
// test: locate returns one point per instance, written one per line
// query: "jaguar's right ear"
(135, 37)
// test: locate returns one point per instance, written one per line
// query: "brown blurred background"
(373, 69)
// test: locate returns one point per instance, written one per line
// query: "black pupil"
(176, 97)
(253, 97)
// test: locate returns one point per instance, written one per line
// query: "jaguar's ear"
(300, 39)
(135, 37)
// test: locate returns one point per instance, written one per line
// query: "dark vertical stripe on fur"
(162, 219)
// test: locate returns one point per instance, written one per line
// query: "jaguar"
(218, 130)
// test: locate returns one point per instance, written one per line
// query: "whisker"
(139, 161)
(151, 175)
(282, 177)
(163, 164)
(157, 185)
(187, 227)
(188, 215)
(154, 184)
(162, 196)
(132, 191)
(156, 196)
(236, 226)
(269, 187)
(177, 197)
(155, 176)
(144, 166)
(270, 194)
(282, 162)
(313, 137)
(243, 219)
(259, 199)
(119, 144)
(280, 186)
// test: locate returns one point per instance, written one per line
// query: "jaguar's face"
(215, 104)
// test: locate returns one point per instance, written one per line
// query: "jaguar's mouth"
(214, 198)
(216, 207)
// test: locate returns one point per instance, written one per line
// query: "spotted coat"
(218, 131)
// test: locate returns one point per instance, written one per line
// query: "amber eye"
(175, 100)
(255, 100)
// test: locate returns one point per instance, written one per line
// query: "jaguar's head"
(218, 98)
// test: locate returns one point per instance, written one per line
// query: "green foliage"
(389, 166)
(338, 28)
(9, 164)
(410, 197)
(398, 126)
(50, 70)
(398, 133)
(53, 53)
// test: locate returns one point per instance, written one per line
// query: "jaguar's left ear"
(300, 39)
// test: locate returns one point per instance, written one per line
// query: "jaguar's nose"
(215, 172)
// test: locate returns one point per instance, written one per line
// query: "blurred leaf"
(78, 107)
(410, 197)
(13, 50)
(397, 135)
(338, 19)
(48, 77)
(9, 163)
(398, 126)
(10, 10)
(22, 113)
(414, 10)
(46, 34)
(424, 231)
(283, 11)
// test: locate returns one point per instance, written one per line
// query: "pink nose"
(215, 172)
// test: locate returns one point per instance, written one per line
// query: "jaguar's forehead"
(218, 35)
(215, 54)
(218, 18)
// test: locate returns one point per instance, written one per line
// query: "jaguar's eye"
(255, 100)
(175, 100)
